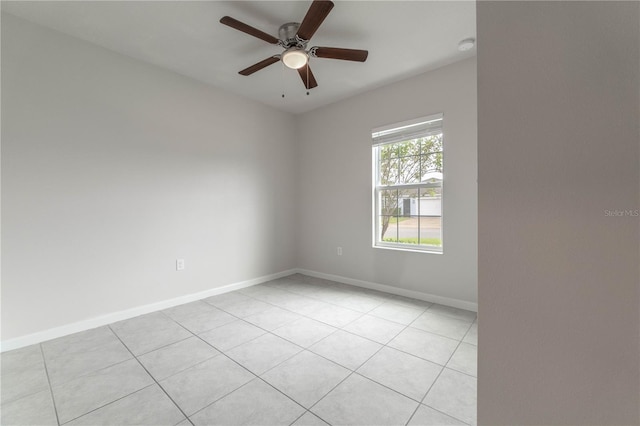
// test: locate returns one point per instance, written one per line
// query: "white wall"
(334, 191)
(113, 168)
(558, 144)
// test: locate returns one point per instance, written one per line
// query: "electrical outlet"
(339, 251)
(179, 264)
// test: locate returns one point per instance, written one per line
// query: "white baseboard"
(454, 303)
(53, 333)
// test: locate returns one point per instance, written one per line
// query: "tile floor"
(294, 351)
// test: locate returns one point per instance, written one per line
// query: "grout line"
(46, 370)
(108, 403)
(150, 375)
(160, 347)
(299, 417)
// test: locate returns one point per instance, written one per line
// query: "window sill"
(410, 249)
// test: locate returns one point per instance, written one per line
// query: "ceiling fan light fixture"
(295, 58)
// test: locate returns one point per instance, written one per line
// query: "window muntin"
(408, 174)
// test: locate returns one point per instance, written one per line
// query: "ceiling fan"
(294, 37)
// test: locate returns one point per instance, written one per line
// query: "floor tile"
(263, 353)
(472, 335)
(271, 295)
(72, 365)
(78, 342)
(410, 302)
(35, 409)
(373, 328)
(19, 359)
(427, 416)
(397, 313)
(452, 312)
(22, 380)
(186, 310)
(346, 349)
(272, 318)
(404, 373)
(149, 406)
(309, 419)
(304, 332)
(84, 394)
(176, 357)
(256, 403)
(359, 401)
(293, 302)
(205, 321)
(331, 295)
(231, 335)
(204, 383)
(306, 377)
(359, 302)
(311, 305)
(254, 290)
(226, 299)
(454, 394)
(333, 315)
(284, 283)
(425, 345)
(443, 325)
(465, 359)
(307, 289)
(246, 308)
(148, 332)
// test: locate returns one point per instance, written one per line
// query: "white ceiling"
(404, 38)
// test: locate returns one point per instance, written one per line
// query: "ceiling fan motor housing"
(287, 35)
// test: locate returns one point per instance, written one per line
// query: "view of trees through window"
(409, 191)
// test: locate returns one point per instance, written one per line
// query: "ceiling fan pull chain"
(282, 79)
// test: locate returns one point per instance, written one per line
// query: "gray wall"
(112, 169)
(335, 185)
(558, 146)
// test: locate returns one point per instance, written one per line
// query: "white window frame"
(394, 133)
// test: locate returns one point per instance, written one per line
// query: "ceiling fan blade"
(241, 26)
(262, 64)
(317, 12)
(338, 53)
(308, 80)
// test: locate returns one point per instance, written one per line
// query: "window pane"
(388, 202)
(408, 229)
(408, 216)
(384, 168)
(431, 165)
(409, 148)
(430, 202)
(430, 210)
(431, 231)
(389, 150)
(410, 169)
(431, 144)
(388, 229)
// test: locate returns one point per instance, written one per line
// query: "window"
(407, 176)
